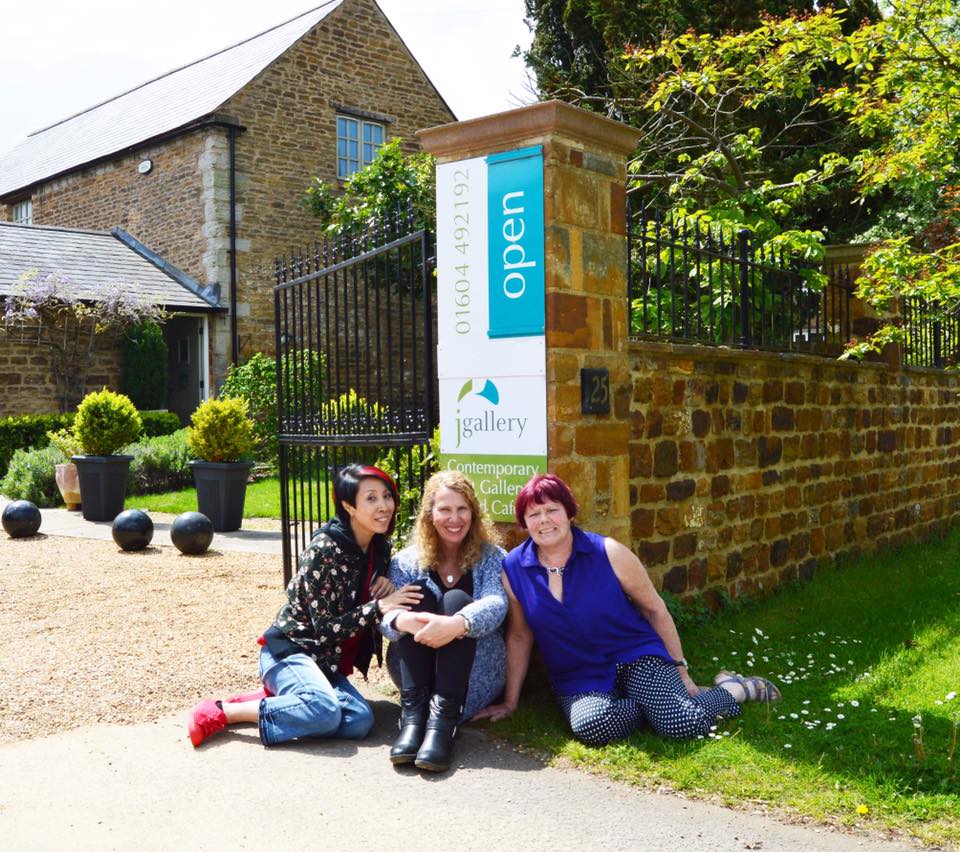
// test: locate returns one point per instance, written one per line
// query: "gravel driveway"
(89, 633)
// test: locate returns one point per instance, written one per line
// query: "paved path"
(71, 524)
(115, 787)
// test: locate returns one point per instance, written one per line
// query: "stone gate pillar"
(584, 164)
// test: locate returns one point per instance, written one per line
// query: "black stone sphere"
(132, 530)
(191, 533)
(21, 519)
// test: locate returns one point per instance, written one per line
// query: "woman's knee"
(454, 600)
(428, 603)
(357, 722)
(592, 732)
(320, 711)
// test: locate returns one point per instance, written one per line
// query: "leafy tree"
(393, 182)
(578, 45)
(897, 92)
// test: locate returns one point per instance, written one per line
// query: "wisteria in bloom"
(54, 295)
(50, 310)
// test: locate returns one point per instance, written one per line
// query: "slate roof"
(89, 258)
(166, 103)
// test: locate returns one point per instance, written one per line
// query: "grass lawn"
(262, 500)
(868, 659)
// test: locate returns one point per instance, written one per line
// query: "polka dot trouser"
(650, 691)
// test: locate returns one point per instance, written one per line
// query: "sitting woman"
(609, 644)
(447, 654)
(323, 631)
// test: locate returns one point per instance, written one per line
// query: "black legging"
(444, 670)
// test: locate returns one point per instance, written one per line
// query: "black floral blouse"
(321, 611)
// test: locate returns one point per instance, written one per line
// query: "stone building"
(207, 164)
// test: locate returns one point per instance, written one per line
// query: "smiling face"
(373, 510)
(451, 516)
(548, 524)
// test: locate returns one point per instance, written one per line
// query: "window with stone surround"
(357, 143)
(23, 213)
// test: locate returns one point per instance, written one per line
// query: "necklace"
(556, 569)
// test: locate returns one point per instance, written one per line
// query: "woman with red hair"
(609, 643)
(325, 629)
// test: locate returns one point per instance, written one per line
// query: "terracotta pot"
(69, 484)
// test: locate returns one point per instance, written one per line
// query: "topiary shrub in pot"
(219, 437)
(105, 422)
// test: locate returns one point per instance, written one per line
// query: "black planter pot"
(221, 490)
(103, 483)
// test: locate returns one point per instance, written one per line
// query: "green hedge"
(30, 430)
(31, 476)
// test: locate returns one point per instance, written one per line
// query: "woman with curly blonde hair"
(446, 654)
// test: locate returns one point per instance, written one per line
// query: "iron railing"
(354, 324)
(692, 283)
(932, 335)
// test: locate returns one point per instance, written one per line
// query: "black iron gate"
(354, 323)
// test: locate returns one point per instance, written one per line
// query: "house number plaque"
(595, 391)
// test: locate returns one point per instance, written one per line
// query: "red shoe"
(261, 693)
(206, 719)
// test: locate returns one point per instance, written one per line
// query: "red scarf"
(349, 652)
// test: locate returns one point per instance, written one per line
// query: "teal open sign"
(515, 242)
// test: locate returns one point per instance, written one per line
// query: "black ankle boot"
(437, 750)
(413, 722)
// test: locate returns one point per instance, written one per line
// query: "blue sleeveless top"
(596, 627)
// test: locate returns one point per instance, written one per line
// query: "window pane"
(376, 136)
(342, 169)
(341, 147)
(354, 150)
(341, 127)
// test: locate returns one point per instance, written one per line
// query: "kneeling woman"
(323, 631)
(608, 641)
(447, 654)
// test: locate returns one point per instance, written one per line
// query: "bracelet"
(681, 663)
(466, 622)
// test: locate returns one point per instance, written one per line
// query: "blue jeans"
(305, 703)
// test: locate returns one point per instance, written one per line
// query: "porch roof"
(91, 258)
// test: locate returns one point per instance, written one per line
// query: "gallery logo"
(489, 391)
(487, 421)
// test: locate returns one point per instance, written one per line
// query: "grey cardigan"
(486, 615)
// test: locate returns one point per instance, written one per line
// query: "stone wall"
(352, 59)
(748, 469)
(162, 208)
(26, 377)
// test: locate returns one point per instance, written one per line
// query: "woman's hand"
(692, 689)
(403, 598)
(494, 712)
(381, 588)
(439, 630)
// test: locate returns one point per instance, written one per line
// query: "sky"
(60, 57)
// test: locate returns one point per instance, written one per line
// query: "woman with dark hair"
(609, 643)
(446, 653)
(324, 630)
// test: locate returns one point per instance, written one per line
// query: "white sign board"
(491, 359)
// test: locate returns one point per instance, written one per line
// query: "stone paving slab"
(62, 522)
